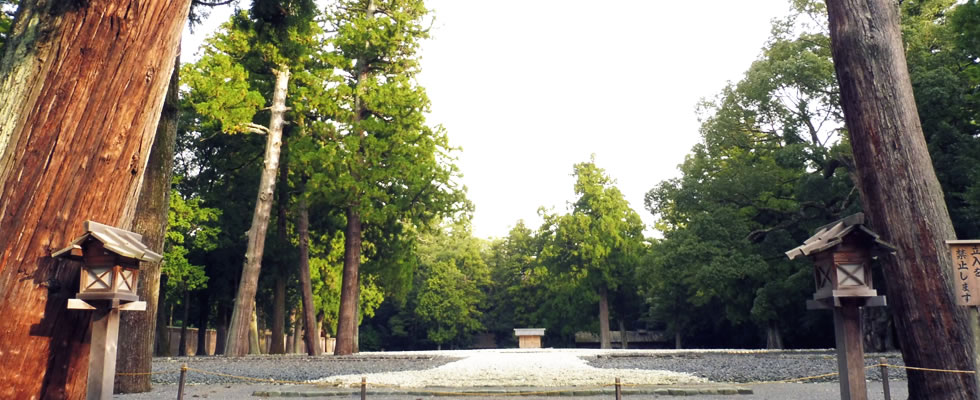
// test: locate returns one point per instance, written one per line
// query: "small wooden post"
(180, 384)
(102, 353)
(850, 350)
(619, 390)
(884, 378)
(363, 388)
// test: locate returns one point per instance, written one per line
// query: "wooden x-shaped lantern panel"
(850, 275)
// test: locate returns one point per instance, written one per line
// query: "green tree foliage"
(396, 168)
(7, 9)
(450, 279)
(768, 170)
(191, 229)
(943, 52)
(447, 300)
(598, 244)
(518, 285)
(773, 165)
(375, 152)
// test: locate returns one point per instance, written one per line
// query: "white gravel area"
(514, 367)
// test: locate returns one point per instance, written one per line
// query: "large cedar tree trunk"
(347, 316)
(357, 314)
(254, 343)
(347, 320)
(203, 314)
(309, 313)
(278, 345)
(161, 346)
(605, 340)
(774, 337)
(623, 337)
(184, 316)
(82, 87)
(297, 336)
(222, 329)
(901, 195)
(237, 343)
(137, 330)
(292, 331)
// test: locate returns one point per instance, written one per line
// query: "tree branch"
(212, 4)
(256, 128)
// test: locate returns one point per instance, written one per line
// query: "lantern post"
(842, 252)
(109, 275)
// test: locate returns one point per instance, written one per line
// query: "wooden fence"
(211, 337)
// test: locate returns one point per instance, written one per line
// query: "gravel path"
(536, 368)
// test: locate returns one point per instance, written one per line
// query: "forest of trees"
(311, 121)
(773, 163)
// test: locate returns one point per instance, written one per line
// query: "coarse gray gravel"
(745, 366)
(292, 367)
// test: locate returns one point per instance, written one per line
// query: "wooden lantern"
(110, 270)
(842, 252)
(110, 257)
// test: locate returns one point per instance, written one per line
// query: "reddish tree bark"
(137, 330)
(278, 345)
(347, 316)
(83, 84)
(312, 335)
(901, 195)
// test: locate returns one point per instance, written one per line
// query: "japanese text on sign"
(966, 271)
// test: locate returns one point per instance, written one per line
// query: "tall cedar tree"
(902, 195)
(600, 241)
(99, 71)
(228, 85)
(281, 30)
(382, 163)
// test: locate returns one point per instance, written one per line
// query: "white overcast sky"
(530, 87)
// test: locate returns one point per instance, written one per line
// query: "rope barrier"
(146, 373)
(264, 380)
(951, 371)
(793, 380)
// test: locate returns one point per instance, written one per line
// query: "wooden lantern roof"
(833, 234)
(124, 243)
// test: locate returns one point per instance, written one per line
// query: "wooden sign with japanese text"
(966, 271)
